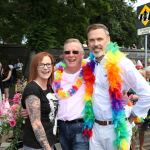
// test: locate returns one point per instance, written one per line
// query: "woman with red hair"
(41, 104)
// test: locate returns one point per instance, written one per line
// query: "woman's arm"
(8, 76)
(34, 112)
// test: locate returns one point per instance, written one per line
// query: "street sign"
(143, 31)
(143, 19)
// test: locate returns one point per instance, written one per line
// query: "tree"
(40, 37)
(119, 17)
(11, 25)
(48, 23)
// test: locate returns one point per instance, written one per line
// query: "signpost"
(143, 24)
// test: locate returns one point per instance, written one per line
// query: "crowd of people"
(86, 98)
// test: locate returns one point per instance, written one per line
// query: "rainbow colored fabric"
(113, 57)
(89, 78)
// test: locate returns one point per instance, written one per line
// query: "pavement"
(146, 141)
(6, 143)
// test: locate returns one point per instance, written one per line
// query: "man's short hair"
(97, 26)
(70, 40)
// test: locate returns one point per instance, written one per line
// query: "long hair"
(34, 64)
(6, 70)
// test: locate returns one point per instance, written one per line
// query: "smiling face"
(73, 54)
(44, 68)
(97, 41)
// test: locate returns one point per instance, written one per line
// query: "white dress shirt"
(131, 79)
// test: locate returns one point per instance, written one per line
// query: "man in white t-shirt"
(71, 103)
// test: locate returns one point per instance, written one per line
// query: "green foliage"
(48, 23)
(41, 37)
(5, 129)
(120, 19)
(17, 134)
(11, 119)
(11, 25)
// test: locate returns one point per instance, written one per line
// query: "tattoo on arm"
(34, 111)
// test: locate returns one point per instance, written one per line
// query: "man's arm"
(133, 79)
(34, 112)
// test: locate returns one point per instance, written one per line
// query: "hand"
(24, 113)
(47, 147)
(131, 118)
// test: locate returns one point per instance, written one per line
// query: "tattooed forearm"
(41, 137)
(33, 108)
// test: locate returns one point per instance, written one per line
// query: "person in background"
(18, 67)
(11, 65)
(40, 103)
(139, 65)
(20, 85)
(133, 98)
(146, 124)
(7, 74)
(114, 73)
(142, 129)
(134, 47)
(147, 72)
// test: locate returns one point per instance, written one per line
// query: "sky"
(141, 2)
(138, 3)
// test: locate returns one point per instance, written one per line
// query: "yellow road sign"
(144, 15)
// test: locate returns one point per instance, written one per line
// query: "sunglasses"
(73, 52)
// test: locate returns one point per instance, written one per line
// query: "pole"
(146, 50)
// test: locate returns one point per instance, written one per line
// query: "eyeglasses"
(73, 52)
(48, 65)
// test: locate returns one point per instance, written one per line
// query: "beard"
(99, 54)
(97, 51)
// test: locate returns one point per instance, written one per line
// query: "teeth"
(71, 60)
(45, 72)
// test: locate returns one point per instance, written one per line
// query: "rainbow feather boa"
(89, 78)
(86, 74)
(113, 57)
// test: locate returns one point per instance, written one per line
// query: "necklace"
(64, 94)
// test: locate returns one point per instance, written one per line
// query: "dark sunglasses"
(69, 52)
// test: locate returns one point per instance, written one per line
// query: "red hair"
(34, 64)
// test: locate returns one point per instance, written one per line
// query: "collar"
(100, 61)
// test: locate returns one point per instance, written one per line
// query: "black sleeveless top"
(48, 112)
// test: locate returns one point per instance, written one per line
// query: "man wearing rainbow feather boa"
(73, 85)
(114, 74)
